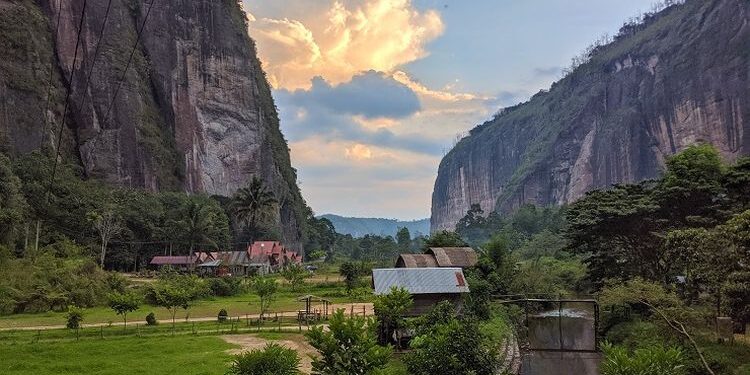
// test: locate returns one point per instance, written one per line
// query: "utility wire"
(49, 79)
(130, 59)
(96, 55)
(67, 97)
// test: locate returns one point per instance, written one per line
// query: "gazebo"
(311, 313)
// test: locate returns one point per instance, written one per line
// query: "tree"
(174, 292)
(352, 272)
(444, 239)
(736, 291)
(295, 275)
(273, 359)
(348, 347)
(265, 288)
(203, 223)
(390, 310)
(108, 226)
(12, 203)
(403, 238)
(74, 319)
(250, 203)
(124, 303)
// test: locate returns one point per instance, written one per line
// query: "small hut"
(428, 286)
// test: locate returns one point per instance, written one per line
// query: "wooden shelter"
(310, 312)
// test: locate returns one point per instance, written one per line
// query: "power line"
(96, 55)
(49, 79)
(67, 96)
(130, 59)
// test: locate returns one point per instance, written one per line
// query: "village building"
(427, 286)
(438, 257)
(260, 258)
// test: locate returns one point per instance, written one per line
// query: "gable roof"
(416, 261)
(454, 256)
(420, 280)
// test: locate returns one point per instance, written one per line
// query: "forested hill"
(359, 227)
(164, 96)
(668, 80)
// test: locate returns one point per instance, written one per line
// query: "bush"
(274, 359)
(151, 319)
(225, 286)
(74, 318)
(223, 315)
(653, 360)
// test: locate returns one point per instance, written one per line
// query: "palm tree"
(250, 203)
(197, 224)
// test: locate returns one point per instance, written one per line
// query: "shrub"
(151, 319)
(74, 318)
(223, 315)
(274, 359)
(653, 360)
(225, 286)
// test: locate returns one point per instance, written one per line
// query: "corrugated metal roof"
(416, 261)
(420, 280)
(454, 256)
(173, 260)
(212, 263)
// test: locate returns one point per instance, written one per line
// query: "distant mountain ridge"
(359, 227)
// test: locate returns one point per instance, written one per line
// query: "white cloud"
(338, 42)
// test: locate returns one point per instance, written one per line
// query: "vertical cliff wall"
(678, 79)
(194, 113)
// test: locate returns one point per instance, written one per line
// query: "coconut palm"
(250, 203)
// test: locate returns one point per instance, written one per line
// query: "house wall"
(423, 303)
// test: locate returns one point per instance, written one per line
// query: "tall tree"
(250, 203)
(108, 226)
(403, 238)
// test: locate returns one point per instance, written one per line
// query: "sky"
(372, 93)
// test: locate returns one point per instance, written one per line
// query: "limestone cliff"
(679, 78)
(194, 112)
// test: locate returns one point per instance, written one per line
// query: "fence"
(289, 322)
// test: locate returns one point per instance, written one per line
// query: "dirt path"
(350, 308)
(294, 342)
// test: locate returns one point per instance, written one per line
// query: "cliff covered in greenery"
(191, 111)
(675, 78)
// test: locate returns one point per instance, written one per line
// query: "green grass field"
(247, 303)
(156, 355)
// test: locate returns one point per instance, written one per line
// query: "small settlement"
(260, 258)
(432, 277)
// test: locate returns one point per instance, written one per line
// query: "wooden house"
(428, 286)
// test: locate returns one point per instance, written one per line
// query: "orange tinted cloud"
(341, 41)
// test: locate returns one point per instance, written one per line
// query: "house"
(428, 286)
(461, 257)
(179, 263)
(274, 254)
(224, 263)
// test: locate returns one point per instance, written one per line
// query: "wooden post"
(247, 319)
(138, 330)
(101, 332)
(351, 314)
(194, 332)
(364, 310)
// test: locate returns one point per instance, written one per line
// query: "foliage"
(225, 286)
(222, 316)
(352, 272)
(454, 347)
(347, 348)
(151, 319)
(265, 288)
(645, 361)
(273, 359)
(736, 291)
(443, 239)
(390, 311)
(252, 203)
(74, 318)
(295, 275)
(403, 239)
(124, 303)
(175, 292)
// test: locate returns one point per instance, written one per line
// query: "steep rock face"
(681, 78)
(194, 112)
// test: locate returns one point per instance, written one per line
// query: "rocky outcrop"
(678, 79)
(194, 112)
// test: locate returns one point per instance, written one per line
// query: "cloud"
(359, 152)
(360, 110)
(337, 42)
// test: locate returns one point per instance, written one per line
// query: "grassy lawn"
(248, 303)
(162, 355)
